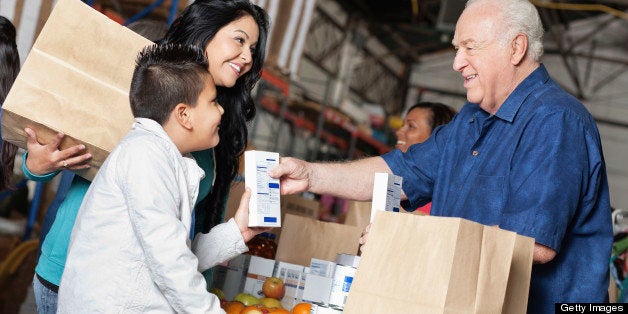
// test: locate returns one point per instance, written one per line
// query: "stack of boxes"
(325, 284)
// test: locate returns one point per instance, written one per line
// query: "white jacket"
(130, 247)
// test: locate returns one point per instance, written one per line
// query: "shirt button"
(475, 153)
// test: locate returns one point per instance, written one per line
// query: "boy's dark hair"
(164, 76)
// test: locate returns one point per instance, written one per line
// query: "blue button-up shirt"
(536, 168)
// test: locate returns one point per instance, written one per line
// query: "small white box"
(347, 260)
(292, 277)
(322, 267)
(264, 206)
(324, 309)
(317, 288)
(259, 269)
(386, 193)
(231, 278)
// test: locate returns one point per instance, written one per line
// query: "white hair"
(521, 17)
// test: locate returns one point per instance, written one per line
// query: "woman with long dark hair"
(233, 34)
(9, 67)
(235, 80)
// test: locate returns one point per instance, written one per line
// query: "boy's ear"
(183, 113)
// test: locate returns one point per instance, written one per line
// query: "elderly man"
(522, 154)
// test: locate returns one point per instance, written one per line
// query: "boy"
(130, 247)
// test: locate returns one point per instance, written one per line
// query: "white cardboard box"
(386, 193)
(347, 259)
(322, 267)
(264, 206)
(259, 269)
(317, 288)
(231, 278)
(293, 279)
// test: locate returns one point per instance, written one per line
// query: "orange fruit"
(253, 309)
(233, 307)
(302, 308)
(275, 310)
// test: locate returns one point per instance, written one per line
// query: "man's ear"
(183, 113)
(519, 48)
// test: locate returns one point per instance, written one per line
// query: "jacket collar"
(191, 167)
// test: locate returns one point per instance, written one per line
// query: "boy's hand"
(242, 218)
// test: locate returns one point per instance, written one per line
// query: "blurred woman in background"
(418, 125)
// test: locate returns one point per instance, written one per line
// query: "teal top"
(55, 247)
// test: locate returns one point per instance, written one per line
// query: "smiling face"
(205, 117)
(482, 58)
(230, 52)
(416, 128)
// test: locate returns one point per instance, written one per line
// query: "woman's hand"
(43, 159)
(242, 218)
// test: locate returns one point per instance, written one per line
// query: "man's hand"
(294, 175)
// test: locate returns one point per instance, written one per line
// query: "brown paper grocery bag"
(305, 238)
(75, 80)
(298, 206)
(358, 214)
(425, 264)
(519, 279)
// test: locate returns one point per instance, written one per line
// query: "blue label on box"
(270, 219)
(346, 285)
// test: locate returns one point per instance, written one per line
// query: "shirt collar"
(511, 106)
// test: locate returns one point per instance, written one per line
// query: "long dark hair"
(197, 25)
(9, 67)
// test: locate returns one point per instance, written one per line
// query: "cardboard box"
(75, 80)
(321, 267)
(324, 309)
(347, 259)
(358, 214)
(259, 269)
(296, 205)
(231, 278)
(264, 206)
(305, 238)
(317, 289)
(293, 278)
